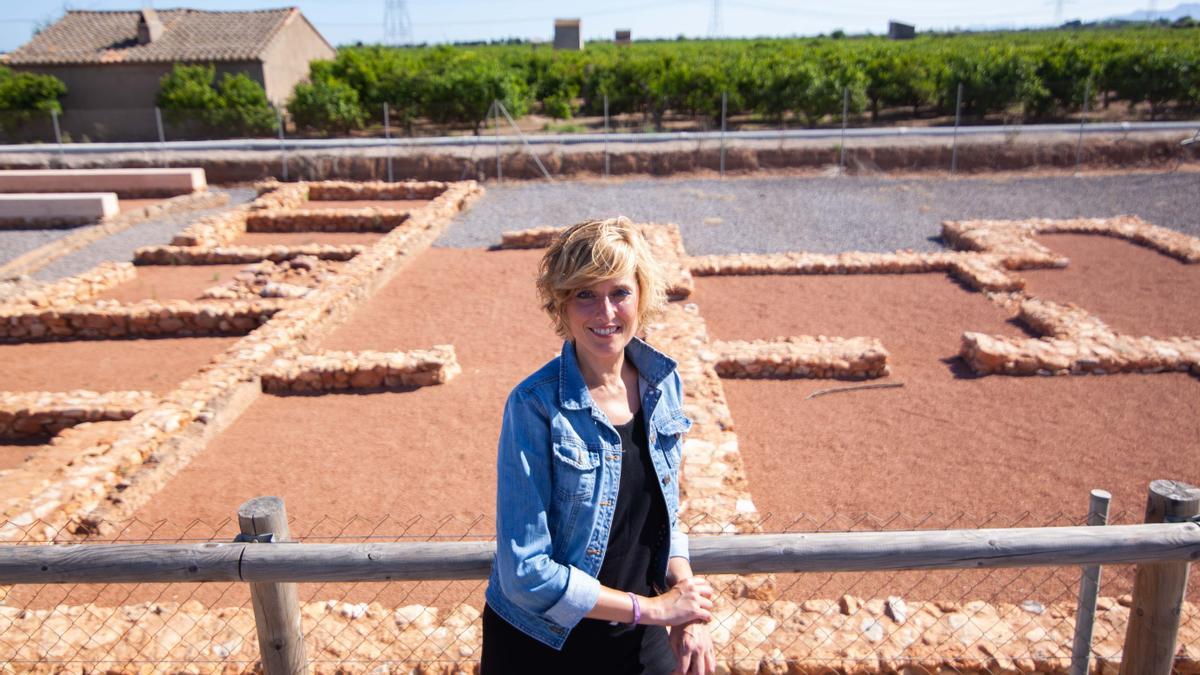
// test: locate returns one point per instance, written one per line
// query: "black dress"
(638, 534)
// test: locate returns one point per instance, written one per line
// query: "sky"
(433, 21)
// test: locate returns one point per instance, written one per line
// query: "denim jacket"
(559, 469)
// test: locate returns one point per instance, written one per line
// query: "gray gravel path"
(825, 215)
(120, 246)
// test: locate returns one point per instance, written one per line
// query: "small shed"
(567, 34)
(901, 31)
(623, 36)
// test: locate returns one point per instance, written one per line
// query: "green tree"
(238, 104)
(326, 104)
(26, 96)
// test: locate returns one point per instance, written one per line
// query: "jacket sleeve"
(679, 538)
(528, 576)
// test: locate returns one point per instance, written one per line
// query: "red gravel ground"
(302, 238)
(948, 449)
(125, 204)
(13, 453)
(1133, 289)
(391, 204)
(106, 365)
(171, 282)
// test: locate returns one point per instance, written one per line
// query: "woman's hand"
(693, 647)
(688, 601)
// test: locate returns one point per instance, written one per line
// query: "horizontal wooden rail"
(736, 554)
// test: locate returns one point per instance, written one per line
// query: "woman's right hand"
(688, 601)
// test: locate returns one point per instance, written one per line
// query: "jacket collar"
(652, 365)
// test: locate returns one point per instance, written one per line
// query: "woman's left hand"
(693, 649)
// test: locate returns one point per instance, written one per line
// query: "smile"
(605, 332)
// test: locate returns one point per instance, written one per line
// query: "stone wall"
(1075, 342)
(340, 371)
(1001, 235)
(216, 230)
(106, 320)
(340, 190)
(233, 255)
(36, 414)
(83, 287)
(801, 356)
(326, 220)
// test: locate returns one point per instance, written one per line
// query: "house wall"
(286, 58)
(115, 101)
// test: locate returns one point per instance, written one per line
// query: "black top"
(639, 532)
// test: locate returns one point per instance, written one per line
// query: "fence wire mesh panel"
(927, 621)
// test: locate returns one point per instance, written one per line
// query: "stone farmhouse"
(111, 61)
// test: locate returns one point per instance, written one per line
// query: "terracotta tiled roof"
(188, 35)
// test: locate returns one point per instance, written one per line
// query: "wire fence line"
(855, 592)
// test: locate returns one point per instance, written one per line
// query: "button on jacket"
(559, 469)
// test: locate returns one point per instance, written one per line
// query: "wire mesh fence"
(926, 621)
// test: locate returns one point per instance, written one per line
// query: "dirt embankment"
(976, 154)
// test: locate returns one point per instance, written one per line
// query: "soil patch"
(1134, 289)
(13, 453)
(948, 449)
(171, 282)
(304, 238)
(126, 205)
(106, 365)
(392, 204)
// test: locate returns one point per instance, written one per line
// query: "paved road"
(826, 215)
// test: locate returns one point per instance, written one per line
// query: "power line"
(397, 28)
(715, 24)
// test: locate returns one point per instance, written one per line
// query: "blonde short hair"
(594, 251)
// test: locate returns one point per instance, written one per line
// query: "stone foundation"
(106, 320)
(295, 278)
(823, 357)
(326, 220)
(233, 255)
(1000, 236)
(1075, 343)
(39, 413)
(69, 291)
(342, 371)
(108, 481)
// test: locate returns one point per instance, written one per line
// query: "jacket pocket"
(671, 429)
(575, 469)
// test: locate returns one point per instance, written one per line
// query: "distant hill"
(1191, 9)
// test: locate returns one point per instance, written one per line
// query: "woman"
(591, 565)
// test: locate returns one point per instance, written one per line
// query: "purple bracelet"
(637, 610)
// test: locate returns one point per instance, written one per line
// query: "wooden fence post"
(1159, 588)
(276, 606)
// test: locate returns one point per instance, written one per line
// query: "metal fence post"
(276, 606)
(387, 134)
(606, 135)
(957, 119)
(282, 146)
(845, 113)
(1087, 94)
(1089, 590)
(496, 128)
(162, 136)
(724, 103)
(1158, 588)
(57, 135)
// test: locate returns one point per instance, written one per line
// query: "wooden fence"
(1162, 548)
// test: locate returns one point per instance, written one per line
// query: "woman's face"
(602, 318)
